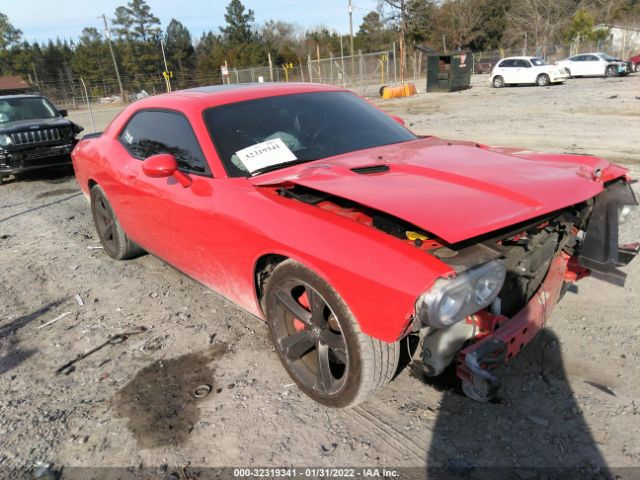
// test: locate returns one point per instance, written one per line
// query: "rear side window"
(506, 63)
(151, 132)
(522, 63)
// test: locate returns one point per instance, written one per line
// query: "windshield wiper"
(277, 166)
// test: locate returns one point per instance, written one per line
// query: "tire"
(498, 81)
(355, 364)
(113, 239)
(543, 80)
(610, 72)
(636, 67)
(569, 72)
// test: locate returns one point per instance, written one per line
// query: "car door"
(204, 230)
(506, 70)
(159, 213)
(524, 71)
(593, 66)
(576, 65)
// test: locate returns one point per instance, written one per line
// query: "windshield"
(270, 133)
(538, 62)
(25, 108)
(608, 58)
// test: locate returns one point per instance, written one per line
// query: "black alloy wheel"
(319, 341)
(309, 338)
(112, 237)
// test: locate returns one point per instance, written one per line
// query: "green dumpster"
(449, 72)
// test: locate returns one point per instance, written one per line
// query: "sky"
(41, 20)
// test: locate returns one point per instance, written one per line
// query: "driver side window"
(150, 132)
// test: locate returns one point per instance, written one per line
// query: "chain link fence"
(365, 73)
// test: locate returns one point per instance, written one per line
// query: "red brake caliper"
(304, 301)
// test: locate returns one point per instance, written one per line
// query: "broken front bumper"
(505, 337)
(497, 339)
(12, 162)
(508, 336)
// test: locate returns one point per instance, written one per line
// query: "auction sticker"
(265, 154)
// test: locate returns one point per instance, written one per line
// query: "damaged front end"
(540, 260)
(506, 282)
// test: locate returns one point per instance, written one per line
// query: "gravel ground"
(572, 399)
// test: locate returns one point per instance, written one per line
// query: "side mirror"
(64, 113)
(165, 165)
(398, 119)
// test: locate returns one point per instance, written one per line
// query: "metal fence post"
(388, 55)
(310, 69)
(301, 69)
(395, 68)
(93, 123)
(331, 66)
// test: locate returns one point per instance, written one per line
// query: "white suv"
(526, 70)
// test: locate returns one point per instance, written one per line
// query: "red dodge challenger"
(312, 209)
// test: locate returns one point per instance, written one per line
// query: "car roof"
(220, 94)
(21, 95)
(518, 58)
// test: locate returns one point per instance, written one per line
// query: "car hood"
(454, 190)
(22, 125)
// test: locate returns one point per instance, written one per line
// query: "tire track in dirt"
(394, 438)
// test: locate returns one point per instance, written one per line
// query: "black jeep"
(33, 134)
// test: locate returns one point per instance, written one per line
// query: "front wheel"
(611, 71)
(498, 81)
(543, 80)
(320, 343)
(636, 67)
(112, 237)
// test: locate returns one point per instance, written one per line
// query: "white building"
(624, 41)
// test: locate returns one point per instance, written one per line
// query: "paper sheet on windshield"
(265, 154)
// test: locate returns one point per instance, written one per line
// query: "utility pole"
(113, 55)
(351, 37)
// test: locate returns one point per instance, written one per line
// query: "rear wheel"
(636, 67)
(319, 341)
(113, 239)
(498, 81)
(543, 80)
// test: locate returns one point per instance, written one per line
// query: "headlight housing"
(452, 300)
(5, 139)
(624, 212)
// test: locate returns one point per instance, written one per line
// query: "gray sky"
(44, 19)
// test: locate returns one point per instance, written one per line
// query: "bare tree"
(541, 20)
(463, 19)
(410, 18)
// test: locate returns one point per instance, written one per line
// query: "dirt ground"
(570, 401)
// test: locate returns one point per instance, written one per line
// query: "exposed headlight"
(452, 300)
(624, 212)
(5, 139)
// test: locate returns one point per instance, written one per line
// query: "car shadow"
(59, 174)
(53, 175)
(533, 429)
